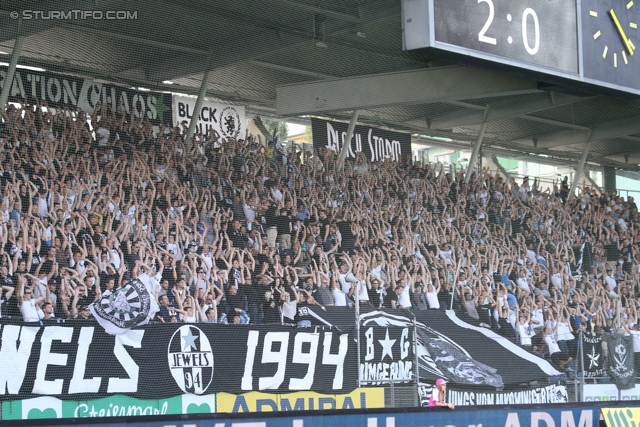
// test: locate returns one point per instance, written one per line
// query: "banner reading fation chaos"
(59, 90)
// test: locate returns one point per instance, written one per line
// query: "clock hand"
(621, 31)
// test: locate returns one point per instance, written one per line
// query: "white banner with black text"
(221, 120)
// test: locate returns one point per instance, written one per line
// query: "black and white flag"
(621, 360)
(446, 347)
(132, 305)
(593, 359)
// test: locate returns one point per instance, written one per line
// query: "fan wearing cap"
(439, 394)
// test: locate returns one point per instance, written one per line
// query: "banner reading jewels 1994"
(78, 361)
(377, 145)
(58, 91)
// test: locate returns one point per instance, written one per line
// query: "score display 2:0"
(528, 12)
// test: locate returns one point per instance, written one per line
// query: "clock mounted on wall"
(609, 39)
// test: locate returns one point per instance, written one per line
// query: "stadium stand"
(247, 232)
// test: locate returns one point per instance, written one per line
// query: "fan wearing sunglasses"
(29, 305)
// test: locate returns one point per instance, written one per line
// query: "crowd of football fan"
(248, 232)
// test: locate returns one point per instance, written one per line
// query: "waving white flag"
(132, 305)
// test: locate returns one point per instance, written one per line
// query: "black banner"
(386, 350)
(593, 359)
(78, 360)
(60, 90)
(376, 144)
(620, 349)
(447, 348)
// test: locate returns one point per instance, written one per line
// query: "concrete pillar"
(196, 110)
(579, 169)
(8, 81)
(474, 154)
(347, 141)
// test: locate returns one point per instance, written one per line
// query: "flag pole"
(581, 366)
(357, 312)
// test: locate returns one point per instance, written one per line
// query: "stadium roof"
(292, 58)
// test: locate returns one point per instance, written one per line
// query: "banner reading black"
(78, 360)
(84, 94)
(376, 144)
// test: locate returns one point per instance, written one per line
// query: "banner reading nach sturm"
(376, 144)
(60, 90)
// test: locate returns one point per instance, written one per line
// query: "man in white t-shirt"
(346, 277)
(404, 300)
(29, 305)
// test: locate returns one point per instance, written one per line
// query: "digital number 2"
(481, 35)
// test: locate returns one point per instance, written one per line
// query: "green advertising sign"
(114, 406)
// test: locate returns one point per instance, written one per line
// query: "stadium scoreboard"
(588, 44)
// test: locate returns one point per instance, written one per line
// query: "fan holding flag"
(133, 304)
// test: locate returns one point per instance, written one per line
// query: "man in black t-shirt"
(391, 300)
(323, 223)
(236, 236)
(283, 224)
(303, 311)
(236, 302)
(270, 224)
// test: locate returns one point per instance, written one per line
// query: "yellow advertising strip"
(621, 417)
(300, 401)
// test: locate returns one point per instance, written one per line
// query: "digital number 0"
(532, 50)
(481, 34)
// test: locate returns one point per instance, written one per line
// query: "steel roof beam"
(261, 39)
(606, 130)
(422, 86)
(291, 70)
(135, 39)
(134, 81)
(501, 110)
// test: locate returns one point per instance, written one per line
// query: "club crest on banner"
(230, 124)
(621, 357)
(123, 308)
(191, 359)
